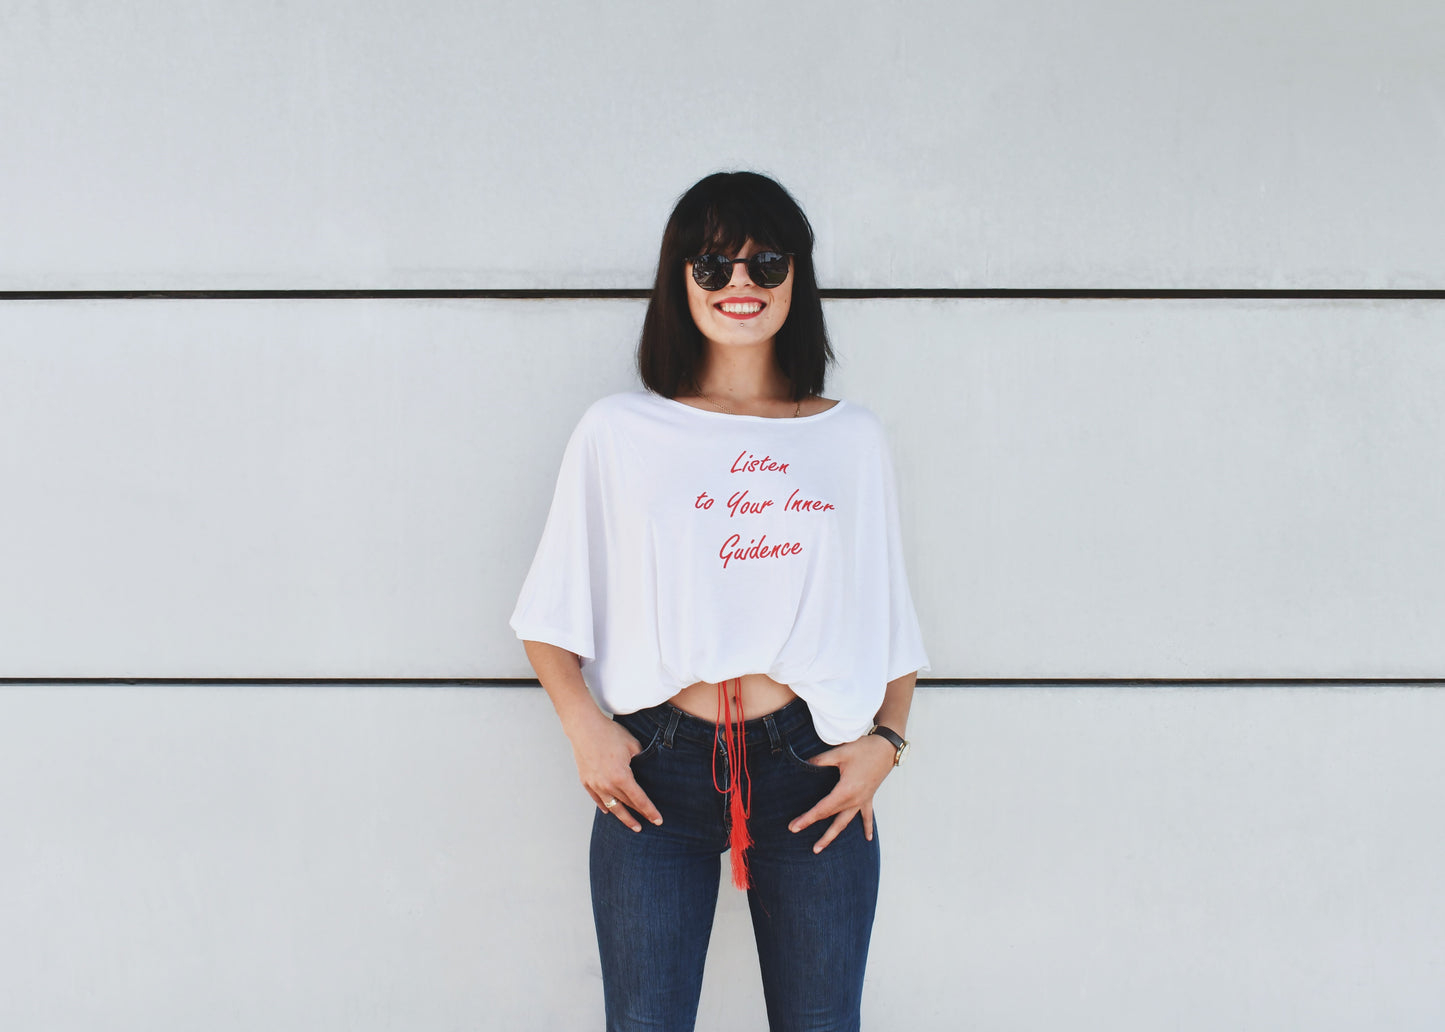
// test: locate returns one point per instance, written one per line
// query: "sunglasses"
(715, 271)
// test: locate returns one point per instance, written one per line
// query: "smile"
(740, 309)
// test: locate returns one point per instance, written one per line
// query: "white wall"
(351, 488)
(1004, 143)
(263, 857)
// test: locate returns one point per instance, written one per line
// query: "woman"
(722, 565)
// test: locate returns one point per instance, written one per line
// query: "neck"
(744, 376)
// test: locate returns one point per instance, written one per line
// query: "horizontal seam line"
(860, 293)
(533, 683)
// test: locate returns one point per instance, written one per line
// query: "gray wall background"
(351, 488)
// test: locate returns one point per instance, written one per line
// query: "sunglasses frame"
(752, 272)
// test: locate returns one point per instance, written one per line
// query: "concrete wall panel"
(247, 857)
(1028, 143)
(355, 488)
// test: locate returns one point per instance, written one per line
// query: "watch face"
(902, 753)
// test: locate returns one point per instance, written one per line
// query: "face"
(741, 313)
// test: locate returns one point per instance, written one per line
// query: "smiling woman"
(752, 224)
(644, 591)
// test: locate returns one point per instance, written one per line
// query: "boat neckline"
(744, 415)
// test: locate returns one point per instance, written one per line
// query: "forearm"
(602, 747)
(560, 672)
(863, 764)
(897, 699)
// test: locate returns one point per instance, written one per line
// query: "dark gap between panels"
(925, 682)
(860, 293)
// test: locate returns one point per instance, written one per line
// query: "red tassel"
(738, 810)
(739, 840)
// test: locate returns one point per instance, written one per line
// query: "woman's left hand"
(862, 766)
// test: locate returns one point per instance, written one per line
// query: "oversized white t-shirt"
(686, 545)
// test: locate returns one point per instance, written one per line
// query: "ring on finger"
(610, 803)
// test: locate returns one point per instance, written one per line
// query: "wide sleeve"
(556, 602)
(905, 639)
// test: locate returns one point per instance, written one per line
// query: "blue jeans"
(654, 891)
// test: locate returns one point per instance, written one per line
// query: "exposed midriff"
(758, 693)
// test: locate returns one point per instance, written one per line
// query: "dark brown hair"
(719, 214)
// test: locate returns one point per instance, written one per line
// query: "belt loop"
(774, 739)
(672, 720)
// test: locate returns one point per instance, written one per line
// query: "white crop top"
(685, 545)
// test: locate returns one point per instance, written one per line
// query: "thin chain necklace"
(730, 412)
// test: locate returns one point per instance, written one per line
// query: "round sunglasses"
(765, 268)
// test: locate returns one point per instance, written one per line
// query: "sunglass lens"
(768, 268)
(712, 271)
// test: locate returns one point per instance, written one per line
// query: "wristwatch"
(894, 739)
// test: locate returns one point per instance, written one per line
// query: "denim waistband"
(785, 720)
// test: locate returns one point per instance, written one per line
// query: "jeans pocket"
(803, 745)
(647, 733)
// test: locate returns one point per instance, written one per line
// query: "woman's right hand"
(604, 749)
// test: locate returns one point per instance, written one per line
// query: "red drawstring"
(737, 754)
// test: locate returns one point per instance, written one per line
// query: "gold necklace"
(730, 412)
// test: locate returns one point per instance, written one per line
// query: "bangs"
(724, 210)
(728, 224)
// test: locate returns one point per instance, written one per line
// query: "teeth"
(747, 308)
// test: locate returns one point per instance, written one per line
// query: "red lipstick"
(761, 305)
